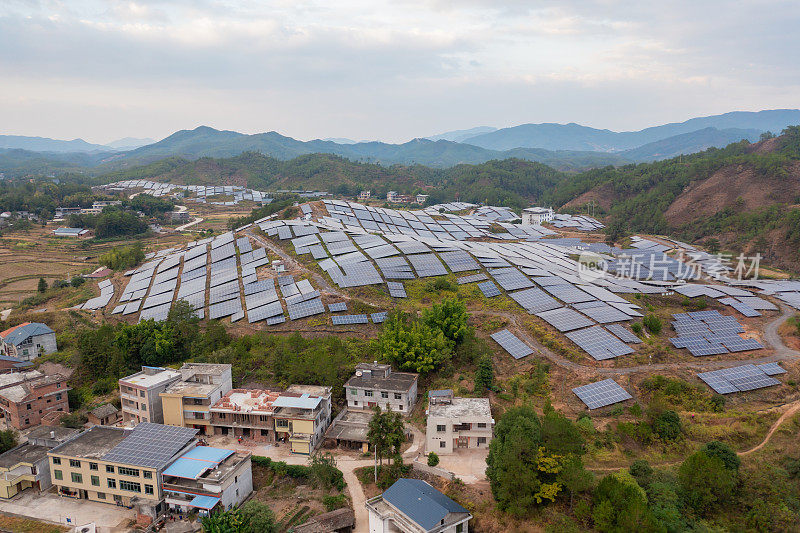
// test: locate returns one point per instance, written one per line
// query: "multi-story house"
(120, 466)
(26, 466)
(28, 340)
(139, 394)
(246, 414)
(31, 398)
(457, 423)
(187, 402)
(376, 385)
(302, 414)
(205, 479)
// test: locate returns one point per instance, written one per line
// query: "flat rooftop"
(311, 390)
(147, 380)
(192, 389)
(216, 369)
(27, 453)
(395, 382)
(93, 443)
(247, 401)
(462, 408)
(58, 433)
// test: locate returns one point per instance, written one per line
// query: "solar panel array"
(150, 445)
(564, 319)
(512, 344)
(199, 193)
(471, 278)
(739, 378)
(338, 306)
(305, 309)
(396, 289)
(342, 320)
(710, 333)
(601, 393)
(489, 289)
(623, 334)
(599, 343)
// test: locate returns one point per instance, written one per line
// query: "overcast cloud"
(392, 71)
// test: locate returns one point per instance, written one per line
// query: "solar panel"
(396, 289)
(471, 279)
(379, 317)
(489, 289)
(623, 334)
(534, 300)
(427, 265)
(601, 312)
(342, 320)
(306, 308)
(276, 320)
(771, 369)
(223, 309)
(512, 344)
(337, 306)
(599, 343)
(738, 379)
(601, 393)
(511, 278)
(568, 293)
(459, 261)
(564, 319)
(150, 445)
(264, 311)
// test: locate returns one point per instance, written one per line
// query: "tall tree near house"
(385, 432)
(42, 285)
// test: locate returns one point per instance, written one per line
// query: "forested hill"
(512, 182)
(744, 195)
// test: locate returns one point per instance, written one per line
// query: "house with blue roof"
(414, 506)
(206, 479)
(28, 340)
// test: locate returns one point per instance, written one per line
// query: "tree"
(323, 470)
(522, 471)
(620, 505)
(413, 345)
(712, 245)
(705, 481)
(257, 517)
(385, 433)
(561, 435)
(224, 522)
(642, 472)
(667, 425)
(450, 317)
(575, 477)
(433, 459)
(484, 375)
(616, 231)
(42, 286)
(652, 323)
(725, 454)
(8, 440)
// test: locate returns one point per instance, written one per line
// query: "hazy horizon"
(101, 71)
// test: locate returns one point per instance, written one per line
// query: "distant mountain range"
(569, 147)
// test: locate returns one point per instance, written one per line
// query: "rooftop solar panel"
(150, 445)
(601, 394)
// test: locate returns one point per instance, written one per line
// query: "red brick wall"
(20, 417)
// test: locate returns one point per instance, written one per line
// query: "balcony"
(461, 427)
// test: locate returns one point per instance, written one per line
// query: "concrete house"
(413, 506)
(120, 466)
(534, 216)
(302, 414)
(457, 423)
(205, 479)
(139, 394)
(187, 402)
(28, 340)
(376, 385)
(104, 415)
(26, 466)
(245, 413)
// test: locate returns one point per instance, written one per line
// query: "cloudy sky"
(392, 70)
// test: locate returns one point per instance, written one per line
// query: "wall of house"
(98, 489)
(22, 415)
(434, 438)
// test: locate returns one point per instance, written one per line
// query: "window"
(400, 407)
(141, 393)
(398, 396)
(76, 477)
(368, 393)
(124, 471)
(56, 460)
(28, 407)
(110, 469)
(101, 495)
(441, 428)
(353, 392)
(112, 483)
(355, 402)
(92, 466)
(147, 474)
(460, 528)
(130, 486)
(384, 395)
(144, 407)
(264, 432)
(95, 481)
(148, 489)
(57, 474)
(74, 463)
(282, 423)
(58, 396)
(481, 425)
(481, 440)
(442, 444)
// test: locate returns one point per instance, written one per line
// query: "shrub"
(433, 459)
(652, 323)
(667, 425)
(637, 328)
(333, 502)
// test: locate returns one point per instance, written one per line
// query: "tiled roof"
(18, 334)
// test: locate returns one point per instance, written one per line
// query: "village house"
(28, 340)
(457, 423)
(31, 398)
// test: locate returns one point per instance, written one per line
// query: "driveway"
(468, 465)
(53, 508)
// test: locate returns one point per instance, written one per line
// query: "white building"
(28, 341)
(413, 506)
(376, 385)
(206, 478)
(391, 196)
(457, 423)
(534, 216)
(364, 195)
